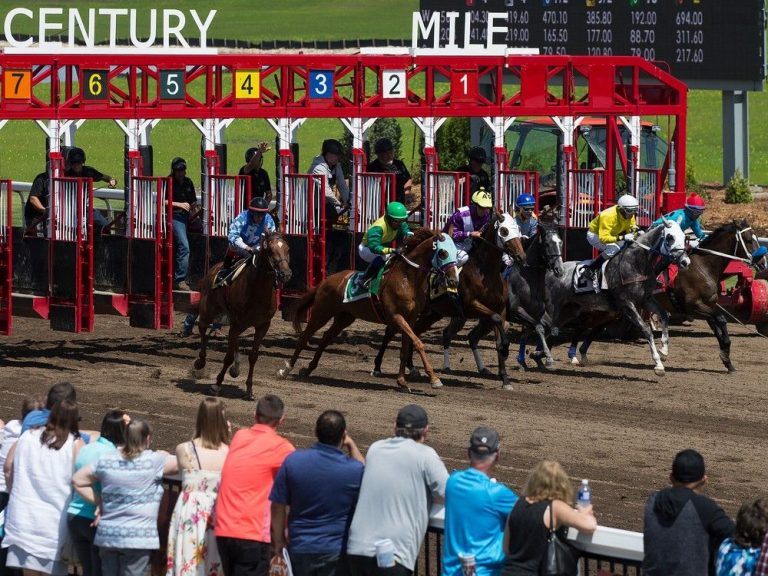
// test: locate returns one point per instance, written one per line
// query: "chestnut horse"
(482, 293)
(402, 297)
(249, 301)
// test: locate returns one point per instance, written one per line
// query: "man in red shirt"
(242, 506)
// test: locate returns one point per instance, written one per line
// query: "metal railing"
(70, 199)
(225, 198)
(513, 183)
(147, 211)
(446, 193)
(373, 191)
(584, 198)
(649, 185)
(303, 204)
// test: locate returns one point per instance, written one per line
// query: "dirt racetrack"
(612, 421)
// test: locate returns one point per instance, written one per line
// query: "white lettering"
(432, 28)
(495, 29)
(44, 26)
(7, 27)
(152, 29)
(451, 17)
(175, 30)
(203, 26)
(113, 13)
(76, 23)
(468, 32)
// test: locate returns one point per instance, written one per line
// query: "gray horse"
(631, 280)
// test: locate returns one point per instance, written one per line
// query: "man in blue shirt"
(246, 230)
(476, 508)
(320, 485)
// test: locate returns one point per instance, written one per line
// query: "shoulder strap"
(551, 516)
(194, 449)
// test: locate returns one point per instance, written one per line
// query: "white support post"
(286, 130)
(429, 127)
(358, 127)
(55, 130)
(499, 125)
(568, 126)
(633, 164)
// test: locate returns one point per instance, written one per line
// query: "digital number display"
(702, 41)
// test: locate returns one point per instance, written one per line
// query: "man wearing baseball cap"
(683, 528)
(476, 508)
(401, 479)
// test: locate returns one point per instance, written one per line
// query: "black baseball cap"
(383, 145)
(412, 417)
(178, 164)
(484, 441)
(688, 466)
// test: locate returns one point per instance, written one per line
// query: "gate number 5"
(393, 84)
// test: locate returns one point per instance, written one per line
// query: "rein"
(733, 256)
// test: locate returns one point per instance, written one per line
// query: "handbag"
(560, 558)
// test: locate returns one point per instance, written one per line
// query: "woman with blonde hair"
(131, 489)
(527, 530)
(192, 547)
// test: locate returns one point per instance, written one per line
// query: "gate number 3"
(393, 82)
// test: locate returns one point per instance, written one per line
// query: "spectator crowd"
(251, 504)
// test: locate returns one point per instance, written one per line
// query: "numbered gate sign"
(393, 84)
(464, 86)
(17, 84)
(172, 85)
(247, 84)
(321, 83)
(95, 84)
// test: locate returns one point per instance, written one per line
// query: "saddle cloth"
(583, 285)
(353, 291)
(666, 280)
(226, 276)
(437, 287)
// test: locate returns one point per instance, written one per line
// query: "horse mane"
(727, 228)
(418, 236)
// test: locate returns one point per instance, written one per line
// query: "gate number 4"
(393, 82)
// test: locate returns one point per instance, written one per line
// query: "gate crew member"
(254, 159)
(466, 222)
(336, 203)
(688, 217)
(387, 163)
(246, 230)
(608, 232)
(75, 168)
(524, 216)
(478, 177)
(183, 198)
(376, 246)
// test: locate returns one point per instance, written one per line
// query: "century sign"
(81, 26)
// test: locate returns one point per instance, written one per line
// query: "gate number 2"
(393, 84)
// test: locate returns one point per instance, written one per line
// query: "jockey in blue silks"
(246, 230)
(526, 219)
(688, 217)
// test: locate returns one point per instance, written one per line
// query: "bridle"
(442, 271)
(739, 243)
(676, 254)
(274, 264)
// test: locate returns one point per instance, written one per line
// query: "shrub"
(382, 128)
(692, 184)
(453, 143)
(737, 190)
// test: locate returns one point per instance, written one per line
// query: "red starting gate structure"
(6, 257)
(513, 183)
(372, 192)
(445, 193)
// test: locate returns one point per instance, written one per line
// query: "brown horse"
(482, 293)
(402, 297)
(697, 288)
(249, 301)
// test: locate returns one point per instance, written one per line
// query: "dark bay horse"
(697, 288)
(402, 296)
(249, 301)
(631, 280)
(482, 294)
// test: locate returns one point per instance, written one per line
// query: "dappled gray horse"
(631, 280)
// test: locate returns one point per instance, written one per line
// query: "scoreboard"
(717, 44)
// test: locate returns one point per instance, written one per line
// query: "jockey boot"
(370, 273)
(591, 269)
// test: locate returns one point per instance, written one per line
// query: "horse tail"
(301, 307)
(206, 285)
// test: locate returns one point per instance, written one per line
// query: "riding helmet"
(628, 203)
(332, 146)
(397, 211)
(525, 201)
(178, 164)
(383, 145)
(76, 155)
(258, 204)
(695, 203)
(482, 198)
(477, 153)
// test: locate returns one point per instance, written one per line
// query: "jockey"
(526, 219)
(608, 232)
(376, 246)
(688, 217)
(467, 221)
(246, 230)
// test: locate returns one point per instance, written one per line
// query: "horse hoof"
(663, 356)
(485, 372)
(508, 387)
(213, 390)
(283, 372)
(413, 373)
(575, 361)
(234, 371)
(304, 373)
(659, 371)
(549, 364)
(376, 373)
(437, 384)
(403, 386)
(731, 370)
(583, 360)
(199, 364)
(447, 369)
(248, 396)
(522, 367)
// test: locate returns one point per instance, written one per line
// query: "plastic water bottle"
(584, 499)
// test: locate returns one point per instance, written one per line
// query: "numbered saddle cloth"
(582, 284)
(356, 291)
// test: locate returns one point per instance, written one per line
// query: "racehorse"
(696, 289)
(402, 297)
(482, 294)
(249, 301)
(631, 280)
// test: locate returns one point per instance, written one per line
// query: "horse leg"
(316, 321)
(521, 350)
(654, 308)
(449, 333)
(483, 327)
(202, 353)
(502, 349)
(258, 335)
(406, 357)
(549, 362)
(340, 322)
(232, 343)
(719, 326)
(636, 319)
(389, 334)
(407, 331)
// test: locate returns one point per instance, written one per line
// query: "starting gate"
(513, 183)
(224, 198)
(303, 222)
(6, 256)
(70, 232)
(583, 201)
(649, 186)
(446, 193)
(372, 192)
(150, 253)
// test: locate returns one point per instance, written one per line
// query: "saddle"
(226, 276)
(354, 291)
(582, 284)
